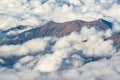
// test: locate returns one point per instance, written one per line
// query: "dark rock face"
(55, 29)
(107, 23)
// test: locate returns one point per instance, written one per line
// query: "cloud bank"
(32, 46)
(38, 12)
(81, 55)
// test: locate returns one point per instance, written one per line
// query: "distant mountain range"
(54, 29)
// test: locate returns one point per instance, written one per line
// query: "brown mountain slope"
(62, 29)
(59, 30)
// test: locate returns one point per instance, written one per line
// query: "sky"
(65, 58)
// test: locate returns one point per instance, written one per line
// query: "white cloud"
(75, 2)
(7, 22)
(49, 60)
(90, 48)
(31, 46)
(64, 60)
(32, 21)
(65, 47)
(53, 60)
(33, 12)
(26, 59)
(14, 75)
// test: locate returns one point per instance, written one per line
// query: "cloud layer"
(32, 46)
(38, 12)
(81, 55)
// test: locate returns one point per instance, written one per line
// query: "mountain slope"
(56, 29)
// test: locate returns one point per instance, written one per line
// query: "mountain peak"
(56, 29)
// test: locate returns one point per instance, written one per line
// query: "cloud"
(33, 12)
(81, 55)
(6, 22)
(107, 69)
(32, 21)
(32, 46)
(55, 59)
(14, 75)
(77, 43)
(88, 42)
(93, 40)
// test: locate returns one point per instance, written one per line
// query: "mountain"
(55, 29)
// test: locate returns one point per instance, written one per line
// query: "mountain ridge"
(57, 29)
